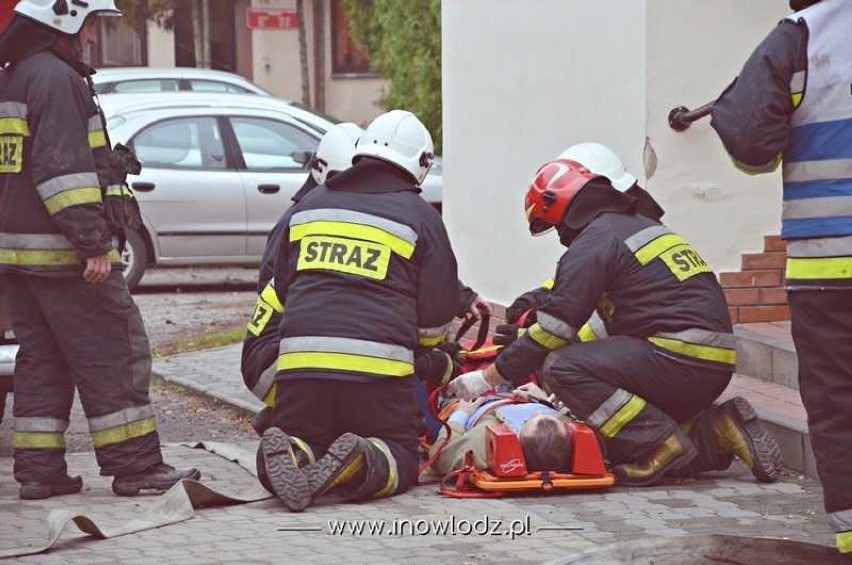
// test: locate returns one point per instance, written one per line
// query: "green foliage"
(403, 40)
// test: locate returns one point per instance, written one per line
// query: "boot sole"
(135, 490)
(288, 481)
(40, 492)
(682, 461)
(764, 449)
(339, 454)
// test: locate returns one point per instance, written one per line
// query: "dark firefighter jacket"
(51, 211)
(365, 274)
(644, 281)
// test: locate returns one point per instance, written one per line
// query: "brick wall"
(756, 293)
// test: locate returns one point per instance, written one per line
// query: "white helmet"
(400, 138)
(335, 151)
(601, 160)
(66, 16)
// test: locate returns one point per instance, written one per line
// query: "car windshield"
(326, 117)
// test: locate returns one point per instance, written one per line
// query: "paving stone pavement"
(558, 526)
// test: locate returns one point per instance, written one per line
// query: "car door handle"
(268, 188)
(144, 186)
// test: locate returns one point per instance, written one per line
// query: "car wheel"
(134, 258)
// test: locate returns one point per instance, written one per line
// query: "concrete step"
(766, 351)
(781, 411)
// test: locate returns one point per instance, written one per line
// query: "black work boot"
(670, 455)
(262, 420)
(160, 477)
(281, 470)
(739, 432)
(343, 462)
(39, 490)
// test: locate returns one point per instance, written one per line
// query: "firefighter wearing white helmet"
(335, 151)
(57, 227)
(364, 275)
(400, 138)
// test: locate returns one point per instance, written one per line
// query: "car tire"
(134, 258)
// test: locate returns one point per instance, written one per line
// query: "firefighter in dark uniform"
(366, 274)
(71, 311)
(669, 350)
(791, 104)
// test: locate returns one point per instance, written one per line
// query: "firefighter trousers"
(73, 334)
(631, 393)
(822, 332)
(318, 411)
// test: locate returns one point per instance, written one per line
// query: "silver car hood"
(7, 360)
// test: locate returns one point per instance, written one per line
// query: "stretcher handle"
(681, 117)
(484, 326)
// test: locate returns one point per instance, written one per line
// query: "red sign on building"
(271, 18)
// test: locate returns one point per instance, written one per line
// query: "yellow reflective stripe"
(118, 190)
(703, 352)
(124, 432)
(759, 170)
(301, 444)
(546, 339)
(431, 341)
(76, 197)
(270, 297)
(586, 333)
(14, 126)
(548, 284)
(46, 258)
(393, 477)
(38, 440)
(844, 542)
(621, 418)
(819, 268)
(269, 399)
(658, 246)
(344, 362)
(353, 231)
(97, 138)
(796, 98)
(347, 473)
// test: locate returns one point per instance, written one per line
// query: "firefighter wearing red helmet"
(665, 350)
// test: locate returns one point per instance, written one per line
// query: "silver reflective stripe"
(817, 207)
(556, 326)
(95, 123)
(120, 418)
(703, 337)
(822, 247)
(640, 239)
(841, 521)
(13, 110)
(265, 382)
(596, 324)
(346, 345)
(393, 473)
(402, 231)
(797, 82)
(40, 425)
(34, 241)
(67, 182)
(609, 408)
(829, 169)
(434, 332)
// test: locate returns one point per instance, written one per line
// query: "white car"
(139, 80)
(218, 172)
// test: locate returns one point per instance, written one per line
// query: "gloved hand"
(469, 385)
(435, 367)
(518, 307)
(506, 334)
(121, 208)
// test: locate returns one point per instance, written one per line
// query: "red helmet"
(552, 189)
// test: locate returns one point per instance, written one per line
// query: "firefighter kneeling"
(648, 387)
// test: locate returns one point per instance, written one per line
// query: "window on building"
(346, 58)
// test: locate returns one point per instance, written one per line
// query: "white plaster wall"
(161, 47)
(521, 82)
(276, 56)
(695, 49)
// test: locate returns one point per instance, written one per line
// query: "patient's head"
(546, 444)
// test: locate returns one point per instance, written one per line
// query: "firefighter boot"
(281, 460)
(38, 491)
(354, 469)
(160, 477)
(262, 420)
(671, 454)
(738, 431)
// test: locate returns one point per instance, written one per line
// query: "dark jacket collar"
(372, 176)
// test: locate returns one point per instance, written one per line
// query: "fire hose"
(681, 117)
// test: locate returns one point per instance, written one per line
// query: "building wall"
(161, 47)
(521, 83)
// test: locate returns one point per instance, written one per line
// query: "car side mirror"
(303, 157)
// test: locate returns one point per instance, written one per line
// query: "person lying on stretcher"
(541, 428)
